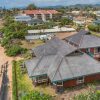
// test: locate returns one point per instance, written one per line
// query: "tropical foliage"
(13, 31)
(31, 7)
(65, 21)
(88, 96)
(14, 50)
(34, 95)
(95, 28)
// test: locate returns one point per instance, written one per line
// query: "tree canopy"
(31, 7)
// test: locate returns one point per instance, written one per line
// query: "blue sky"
(17, 3)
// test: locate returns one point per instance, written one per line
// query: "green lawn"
(96, 34)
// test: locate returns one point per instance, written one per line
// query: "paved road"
(4, 87)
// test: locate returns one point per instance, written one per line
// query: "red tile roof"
(28, 12)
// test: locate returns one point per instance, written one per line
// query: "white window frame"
(80, 81)
(88, 50)
(60, 84)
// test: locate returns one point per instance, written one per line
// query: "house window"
(80, 80)
(59, 83)
(88, 50)
(41, 77)
(98, 49)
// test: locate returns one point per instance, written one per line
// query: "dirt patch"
(64, 35)
(3, 59)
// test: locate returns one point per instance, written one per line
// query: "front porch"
(97, 56)
(93, 52)
(40, 80)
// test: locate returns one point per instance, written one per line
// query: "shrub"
(95, 28)
(88, 96)
(14, 50)
(34, 95)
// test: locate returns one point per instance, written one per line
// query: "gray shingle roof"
(54, 60)
(76, 39)
(84, 40)
(72, 67)
(90, 41)
(53, 47)
(30, 65)
(39, 66)
(33, 21)
(60, 68)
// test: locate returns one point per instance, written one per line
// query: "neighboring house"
(34, 21)
(28, 20)
(97, 14)
(43, 14)
(75, 13)
(22, 18)
(36, 34)
(86, 42)
(79, 22)
(96, 22)
(68, 17)
(62, 65)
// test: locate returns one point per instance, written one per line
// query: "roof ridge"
(37, 64)
(80, 42)
(69, 66)
(58, 67)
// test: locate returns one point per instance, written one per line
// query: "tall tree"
(31, 6)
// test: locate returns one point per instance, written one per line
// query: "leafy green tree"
(31, 7)
(65, 21)
(95, 28)
(14, 50)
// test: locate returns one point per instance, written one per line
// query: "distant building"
(97, 14)
(22, 18)
(27, 19)
(75, 13)
(68, 17)
(37, 34)
(34, 21)
(96, 22)
(79, 22)
(43, 14)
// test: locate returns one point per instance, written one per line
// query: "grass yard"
(96, 34)
(28, 45)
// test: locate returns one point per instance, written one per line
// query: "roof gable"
(89, 41)
(53, 47)
(84, 40)
(39, 66)
(72, 67)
